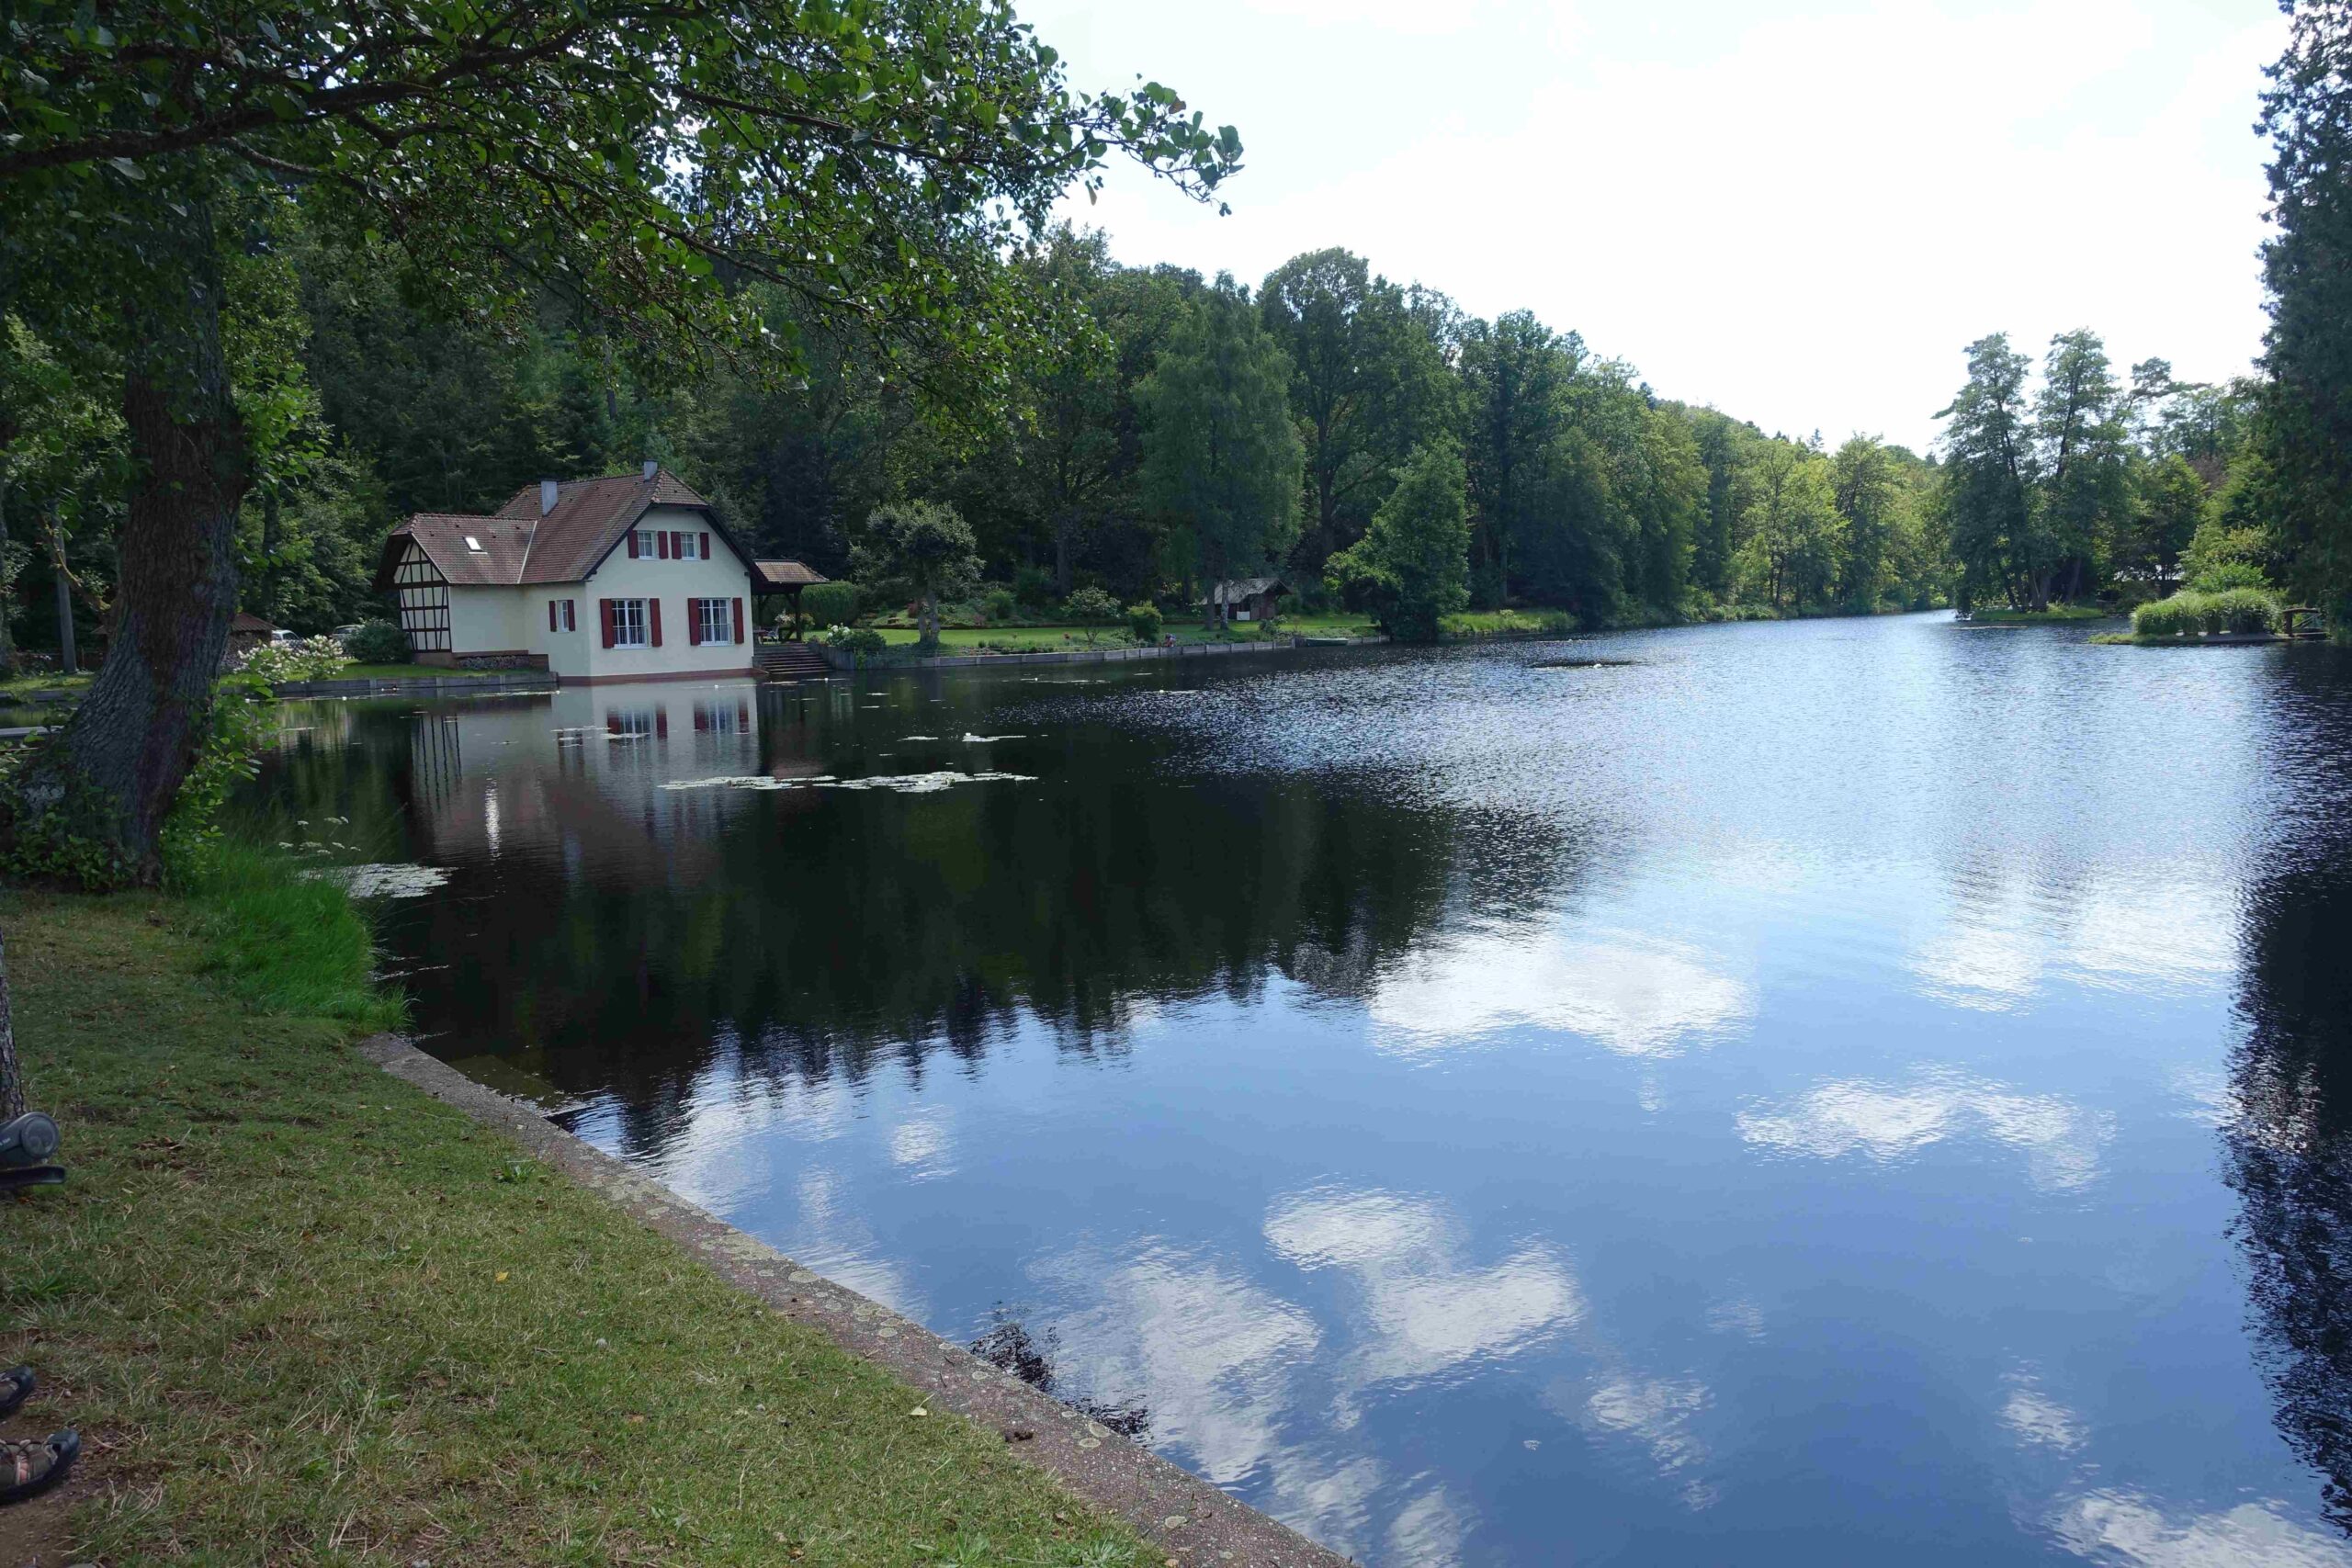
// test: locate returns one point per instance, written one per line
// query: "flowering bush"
(312, 658)
(863, 641)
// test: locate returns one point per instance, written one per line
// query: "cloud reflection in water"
(1887, 1122)
(1634, 996)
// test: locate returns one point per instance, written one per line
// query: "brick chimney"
(546, 496)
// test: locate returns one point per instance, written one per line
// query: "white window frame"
(715, 612)
(630, 624)
(566, 618)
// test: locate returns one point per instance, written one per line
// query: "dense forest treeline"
(1162, 430)
(1128, 465)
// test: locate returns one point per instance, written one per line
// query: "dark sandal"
(17, 1385)
(30, 1469)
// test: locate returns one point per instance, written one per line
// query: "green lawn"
(1063, 637)
(1489, 621)
(302, 1313)
(2052, 615)
(18, 687)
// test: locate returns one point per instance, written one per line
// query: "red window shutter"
(694, 622)
(653, 621)
(705, 544)
(632, 544)
(605, 609)
(552, 614)
(738, 613)
(662, 723)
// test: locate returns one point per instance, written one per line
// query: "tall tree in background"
(1511, 385)
(1220, 456)
(1989, 479)
(1413, 564)
(872, 159)
(2084, 494)
(1367, 384)
(1867, 489)
(2307, 433)
(1792, 524)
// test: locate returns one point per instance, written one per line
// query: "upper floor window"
(669, 544)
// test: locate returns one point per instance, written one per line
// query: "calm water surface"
(1827, 1093)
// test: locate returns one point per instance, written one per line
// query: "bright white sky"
(1798, 210)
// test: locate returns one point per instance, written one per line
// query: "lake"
(1841, 1091)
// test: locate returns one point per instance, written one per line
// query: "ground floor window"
(629, 623)
(713, 620)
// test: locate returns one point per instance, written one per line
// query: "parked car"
(342, 634)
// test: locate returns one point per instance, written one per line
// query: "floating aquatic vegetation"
(925, 783)
(750, 781)
(381, 881)
(972, 739)
(900, 784)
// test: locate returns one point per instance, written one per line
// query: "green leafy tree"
(1511, 375)
(1868, 489)
(1412, 567)
(2306, 429)
(2083, 491)
(1092, 609)
(1989, 480)
(1791, 525)
(1368, 381)
(920, 551)
(2171, 502)
(1220, 456)
(872, 160)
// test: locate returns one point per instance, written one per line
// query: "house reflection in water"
(575, 777)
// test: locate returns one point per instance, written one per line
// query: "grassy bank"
(1062, 637)
(301, 1311)
(2055, 615)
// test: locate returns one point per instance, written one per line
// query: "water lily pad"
(380, 881)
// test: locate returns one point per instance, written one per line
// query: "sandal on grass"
(28, 1469)
(17, 1384)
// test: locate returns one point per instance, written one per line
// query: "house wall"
(676, 583)
(487, 620)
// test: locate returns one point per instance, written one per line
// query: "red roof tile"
(518, 546)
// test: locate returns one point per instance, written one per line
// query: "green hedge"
(2237, 610)
(829, 603)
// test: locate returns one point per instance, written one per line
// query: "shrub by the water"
(863, 641)
(2194, 613)
(829, 603)
(2223, 576)
(1144, 623)
(378, 642)
(312, 658)
(1000, 606)
(1091, 607)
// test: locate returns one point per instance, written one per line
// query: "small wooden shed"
(1250, 598)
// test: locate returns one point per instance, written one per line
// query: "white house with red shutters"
(625, 578)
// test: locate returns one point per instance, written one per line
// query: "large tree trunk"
(11, 1077)
(109, 778)
(68, 657)
(8, 605)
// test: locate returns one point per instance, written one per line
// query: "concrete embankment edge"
(1186, 1520)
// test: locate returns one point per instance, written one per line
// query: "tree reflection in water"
(2288, 1138)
